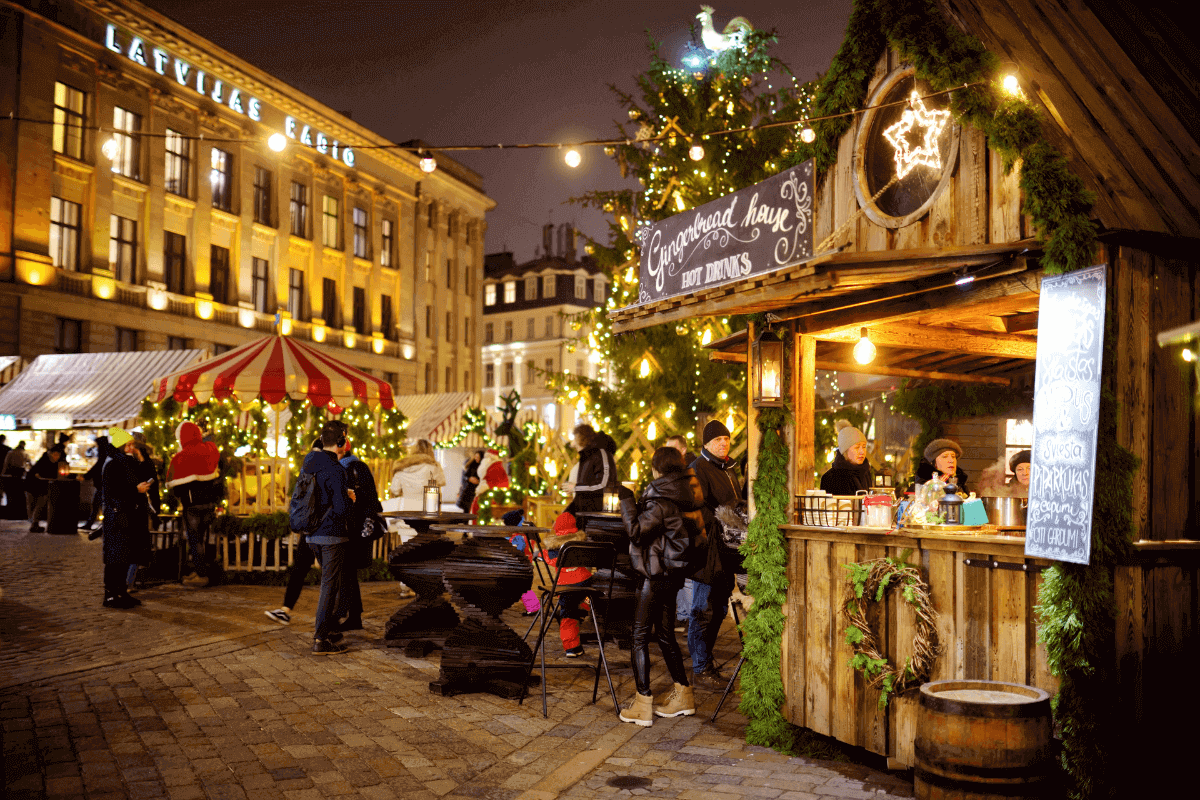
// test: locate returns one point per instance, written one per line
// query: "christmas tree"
(694, 133)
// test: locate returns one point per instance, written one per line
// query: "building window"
(508, 373)
(1018, 436)
(510, 291)
(508, 334)
(177, 343)
(489, 376)
(127, 340)
(69, 117)
(178, 167)
(548, 289)
(429, 387)
(579, 368)
(530, 325)
(122, 247)
(428, 266)
(429, 322)
(450, 273)
(218, 281)
(450, 326)
(174, 261)
(126, 126)
(549, 365)
(550, 327)
(429, 221)
(221, 177)
(385, 317)
(258, 285)
(329, 228)
(467, 387)
(218, 348)
(359, 217)
(530, 373)
(579, 287)
(65, 225)
(68, 336)
(390, 377)
(468, 339)
(329, 302)
(296, 293)
(299, 210)
(386, 243)
(449, 379)
(489, 333)
(360, 309)
(531, 287)
(489, 294)
(262, 196)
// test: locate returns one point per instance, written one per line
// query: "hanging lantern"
(767, 377)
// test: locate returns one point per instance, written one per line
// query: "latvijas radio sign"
(752, 231)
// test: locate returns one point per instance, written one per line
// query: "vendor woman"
(1019, 464)
(851, 472)
(941, 456)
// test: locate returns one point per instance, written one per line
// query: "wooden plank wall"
(986, 627)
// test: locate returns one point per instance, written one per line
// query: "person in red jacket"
(195, 478)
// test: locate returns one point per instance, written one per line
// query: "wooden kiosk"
(944, 277)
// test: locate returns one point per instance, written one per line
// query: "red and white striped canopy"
(274, 368)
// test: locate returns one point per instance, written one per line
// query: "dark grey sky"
(470, 72)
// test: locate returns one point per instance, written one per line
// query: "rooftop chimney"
(548, 240)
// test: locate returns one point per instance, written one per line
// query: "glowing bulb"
(428, 164)
(111, 149)
(696, 152)
(864, 351)
(1188, 355)
(277, 141)
(729, 421)
(679, 202)
(645, 370)
(808, 135)
(706, 337)
(633, 471)
(572, 158)
(652, 431)
(1012, 85)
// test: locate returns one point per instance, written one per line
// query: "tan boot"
(680, 703)
(640, 710)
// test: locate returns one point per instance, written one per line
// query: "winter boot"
(640, 710)
(680, 703)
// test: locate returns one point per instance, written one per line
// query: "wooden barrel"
(983, 739)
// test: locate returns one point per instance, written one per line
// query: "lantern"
(767, 359)
(433, 499)
(612, 502)
(64, 469)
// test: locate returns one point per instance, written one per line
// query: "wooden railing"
(249, 553)
(264, 484)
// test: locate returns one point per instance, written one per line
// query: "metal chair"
(593, 555)
(737, 626)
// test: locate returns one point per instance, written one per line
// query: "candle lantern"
(950, 506)
(64, 469)
(433, 499)
(612, 502)
(767, 358)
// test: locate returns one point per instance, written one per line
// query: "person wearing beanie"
(850, 472)
(195, 478)
(1019, 464)
(712, 584)
(125, 513)
(941, 456)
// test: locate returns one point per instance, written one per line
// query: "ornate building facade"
(142, 207)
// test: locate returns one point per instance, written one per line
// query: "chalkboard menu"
(1066, 408)
(751, 231)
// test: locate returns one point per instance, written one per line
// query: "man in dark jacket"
(597, 469)
(330, 538)
(124, 518)
(366, 502)
(713, 583)
(37, 484)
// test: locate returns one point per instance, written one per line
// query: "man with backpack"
(320, 508)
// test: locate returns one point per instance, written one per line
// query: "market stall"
(924, 257)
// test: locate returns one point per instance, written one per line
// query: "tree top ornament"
(734, 33)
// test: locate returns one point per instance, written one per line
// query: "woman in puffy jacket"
(415, 472)
(666, 532)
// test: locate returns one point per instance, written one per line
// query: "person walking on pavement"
(470, 481)
(195, 478)
(665, 530)
(303, 559)
(124, 519)
(4, 450)
(329, 540)
(358, 552)
(713, 582)
(144, 470)
(37, 485)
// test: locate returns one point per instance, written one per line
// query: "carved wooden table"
(422, 624)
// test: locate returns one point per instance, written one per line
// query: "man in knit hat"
(850, 471)
(713, 583)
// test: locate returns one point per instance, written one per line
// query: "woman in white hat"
(850, 472)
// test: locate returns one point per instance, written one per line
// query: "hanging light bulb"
(1012, 85)
(633, 471)
(706, 337)
(808, 135)
(572, 158)
(864, 351)
(645, 370)
(428, 164)
(110, 149)
(696, 152)
(652, 431)
(1188, 355)
(729, 420)
(277, 141)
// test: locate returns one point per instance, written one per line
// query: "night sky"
(467, 72)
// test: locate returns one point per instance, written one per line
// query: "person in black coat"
(666, 530)
(125, 513)
(470, 481)
(713, 582)
(366, 502)
(941, 456)
(597, 468)
(37, 484)
(850, 472)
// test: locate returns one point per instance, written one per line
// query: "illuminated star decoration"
(927, 153)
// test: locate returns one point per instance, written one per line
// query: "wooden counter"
(985, 627)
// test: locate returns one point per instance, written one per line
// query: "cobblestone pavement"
(196, 694)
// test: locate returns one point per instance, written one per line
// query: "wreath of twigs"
(869, 581)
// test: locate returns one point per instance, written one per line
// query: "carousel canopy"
(275, 368)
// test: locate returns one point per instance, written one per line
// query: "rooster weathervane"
(733, 34)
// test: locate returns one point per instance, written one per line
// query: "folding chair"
(593, 555)
(737, 626)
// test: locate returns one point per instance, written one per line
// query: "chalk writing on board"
(1066, 406)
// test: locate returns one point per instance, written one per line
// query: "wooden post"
(752, 435)
(804, 398)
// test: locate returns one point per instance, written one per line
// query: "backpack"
(303, 516)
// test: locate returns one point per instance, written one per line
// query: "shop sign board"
(51, 421)
(752, 231)
(1066, 410)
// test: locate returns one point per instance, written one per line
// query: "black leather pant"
(656, 609)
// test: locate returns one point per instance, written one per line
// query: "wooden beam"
(1009, 304)
(806, 418)
(871, 369)
(915, 336)
(1018, 323)
(727, 358)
